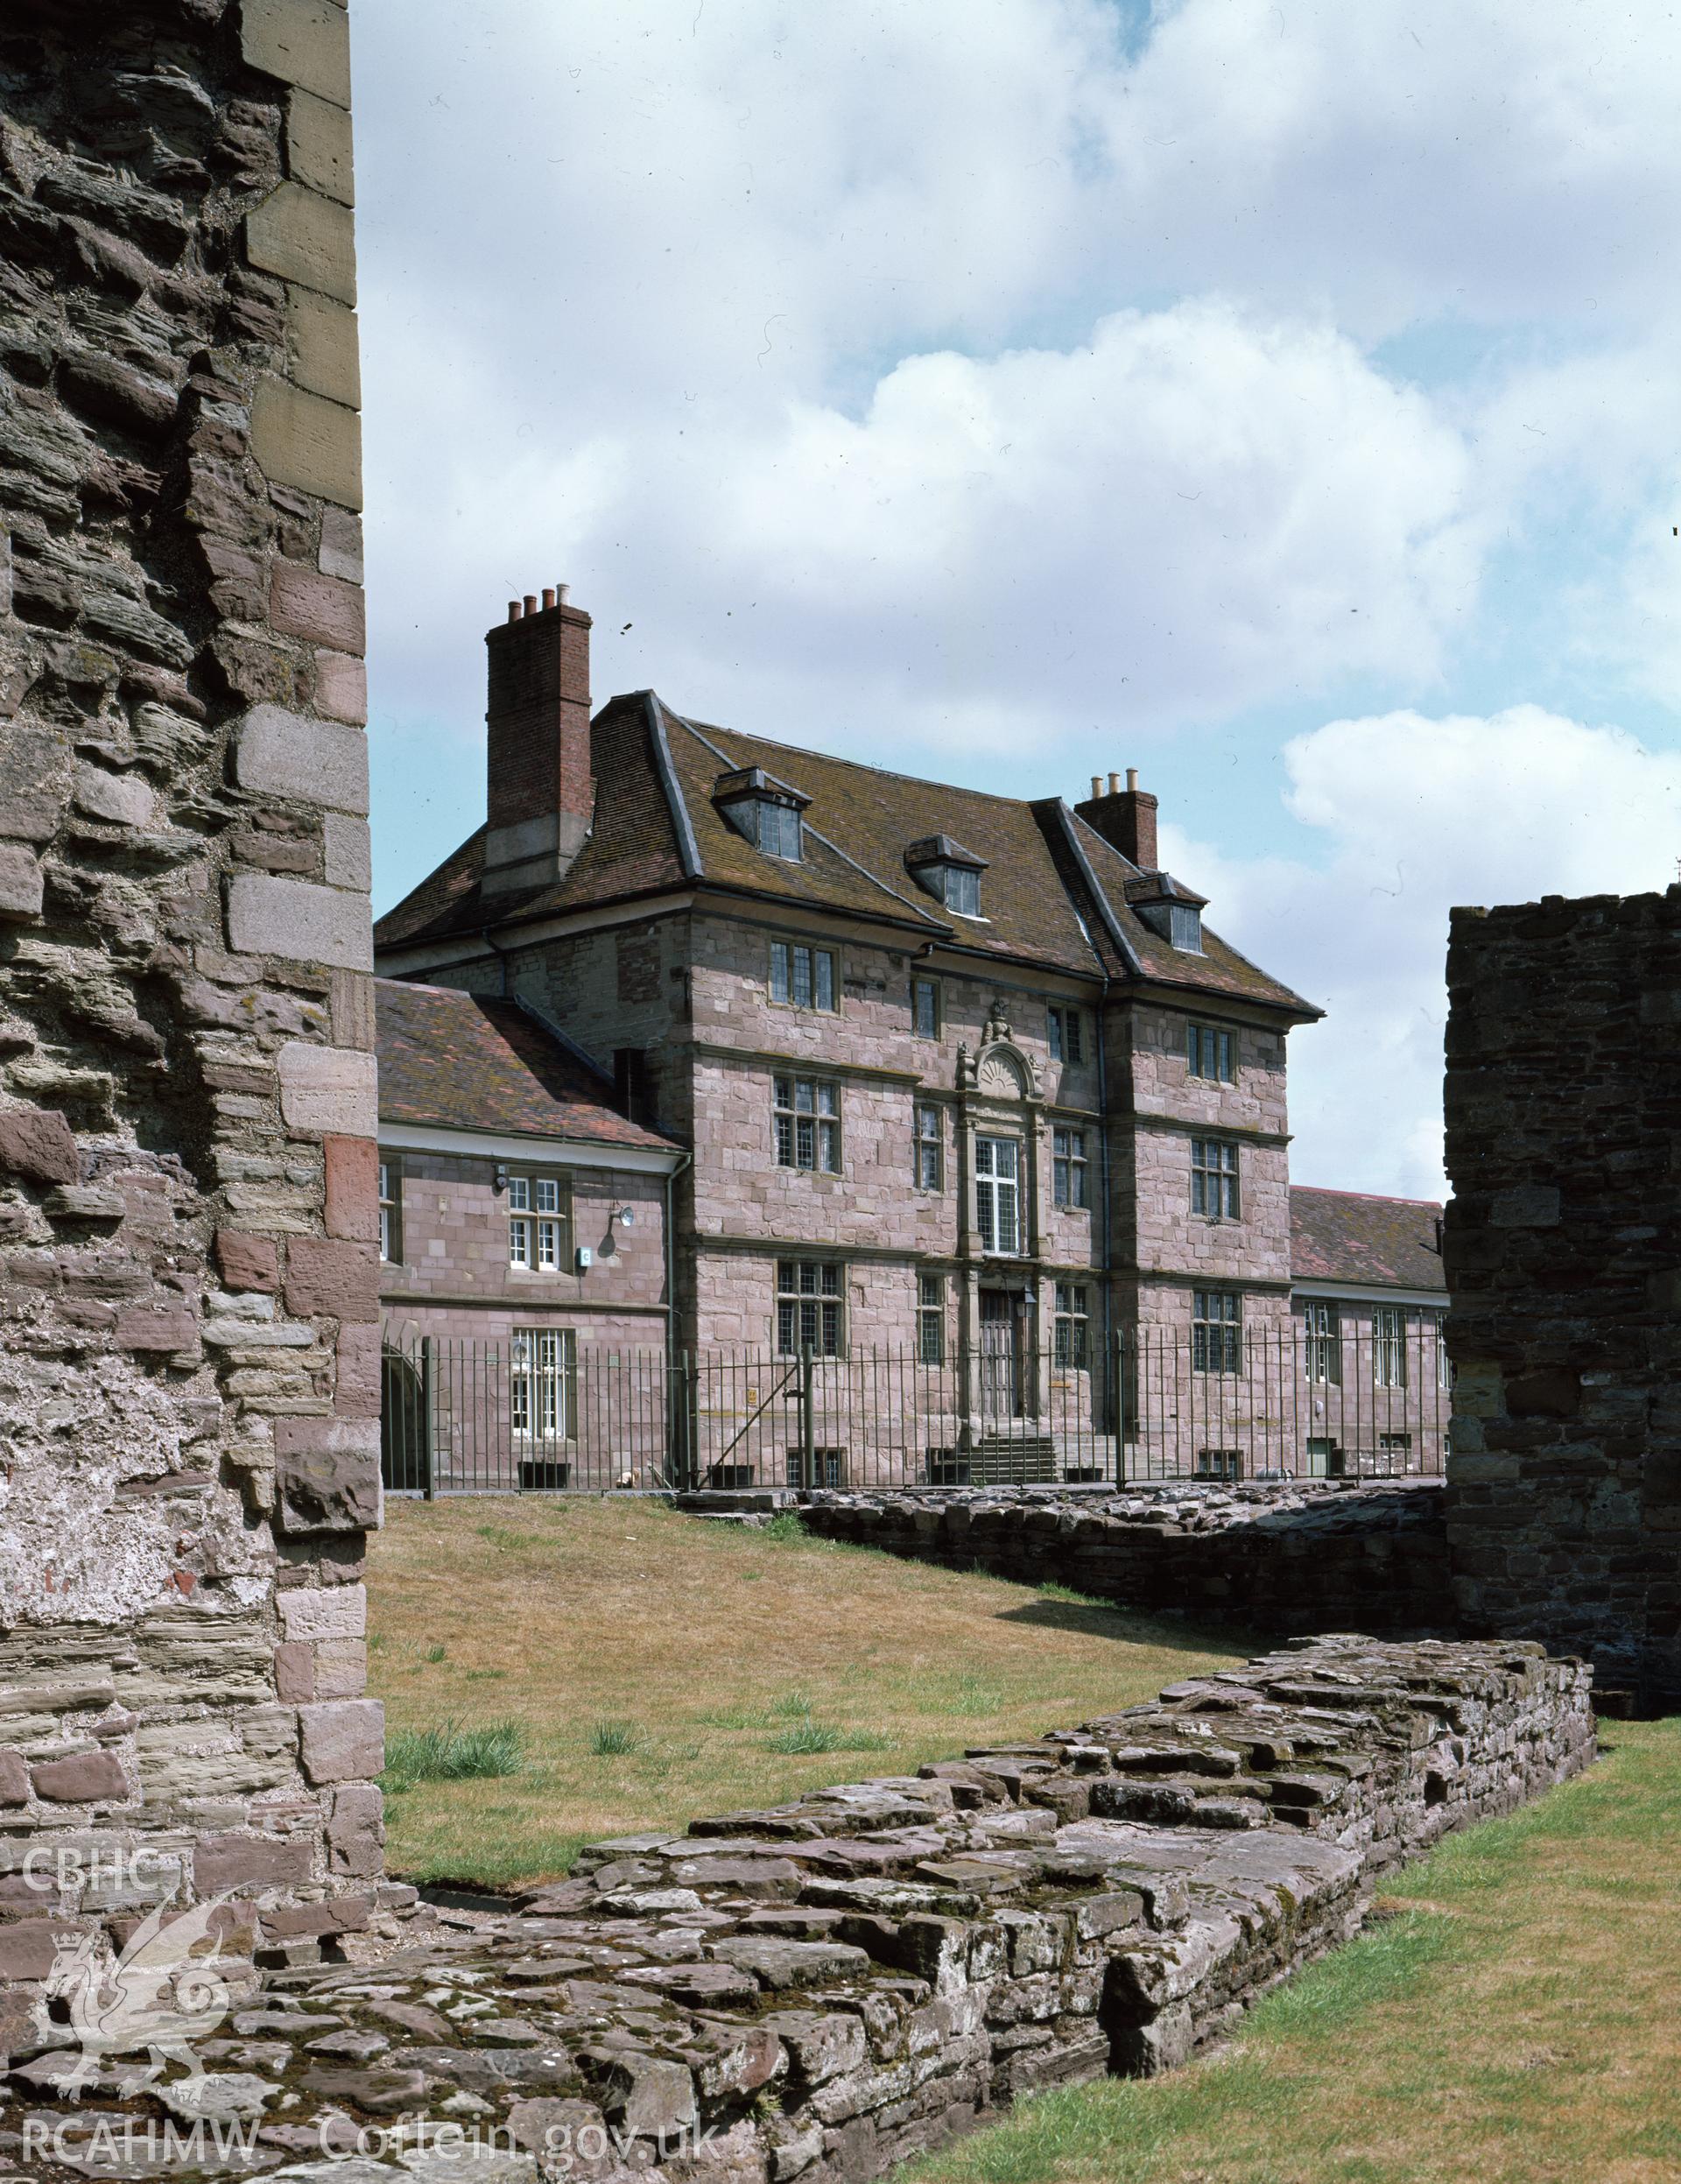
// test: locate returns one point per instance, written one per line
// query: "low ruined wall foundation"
(1285, 1557)
(824, 1988)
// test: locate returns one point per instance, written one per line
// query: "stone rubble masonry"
(1563, 1251)
(827, 1987)
(189, 1352)
(1295, 1555)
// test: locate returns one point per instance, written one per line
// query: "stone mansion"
(953, 1075)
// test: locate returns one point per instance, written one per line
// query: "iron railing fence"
(545, 1413)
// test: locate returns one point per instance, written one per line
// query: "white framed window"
(540, 1221)
(1068, 1167)
(541, 1381)
(931, 1147)
(1395, 1444)
(1071, 1325)
(801, 977)
(391, 1211)
(1065, 1034)
(1436, 1324)
(1211, 1053)
(810, 1293)
(1214, 1178)
(1220, 1463)
(807, 1112)
(1390, 1346)
(931, 1320)
(1216, 1331)
(925, 1007)
(1323, 1328)
(998, 1194)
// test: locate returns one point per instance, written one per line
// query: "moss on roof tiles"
(458, 1060)
(858, 823)
(1347, 1236)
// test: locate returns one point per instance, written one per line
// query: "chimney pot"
(541, 797)
(1125, 818)
(560, 591)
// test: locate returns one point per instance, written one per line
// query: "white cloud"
(909, 376)
(1417, 815)
(1193, 512)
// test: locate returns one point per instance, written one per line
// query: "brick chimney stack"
(1125, 818)
(541, 797)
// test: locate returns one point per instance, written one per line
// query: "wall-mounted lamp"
(499, 1181)
(626, 1216)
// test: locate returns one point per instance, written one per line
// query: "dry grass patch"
(656, 1668)
(1515, 2020)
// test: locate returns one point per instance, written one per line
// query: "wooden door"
(1001, 1354)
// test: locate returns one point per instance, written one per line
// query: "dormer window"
(1179, 924)
(948, 871)
(1170, 908)
(764, 809)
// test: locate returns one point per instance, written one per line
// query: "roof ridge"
(856, 765)
(1124, 949)
(1376, 1198)
(688, 849)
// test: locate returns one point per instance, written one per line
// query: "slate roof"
(463, 1061)
(1346, 1237)
(1054, 893)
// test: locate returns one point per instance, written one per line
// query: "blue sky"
(1279, 398)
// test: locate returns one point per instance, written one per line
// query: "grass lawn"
(650, 1667)
(1518, 2021)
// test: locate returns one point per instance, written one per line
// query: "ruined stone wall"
(189, 1379)
(824, 1988)
(1286, 1556)
(1562, 1254)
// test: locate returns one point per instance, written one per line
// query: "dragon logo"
(164, 1992)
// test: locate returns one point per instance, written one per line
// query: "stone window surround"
(791, 949)
(930, 1318)
(1390, 1346)
(1200, 1036)
(1215, 1170)
(823, 1123)
(1070, 1169)
(1217, 1330)
(1071, 1325)
(989, 1224)
(1065, 1034)
(529, 1219)
(542, 1384)
(928, 1144)
(810, 1292)
(1322, 1322)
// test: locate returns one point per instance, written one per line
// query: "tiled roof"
(657, 827)
(462, 1061)
(1344, 1235)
